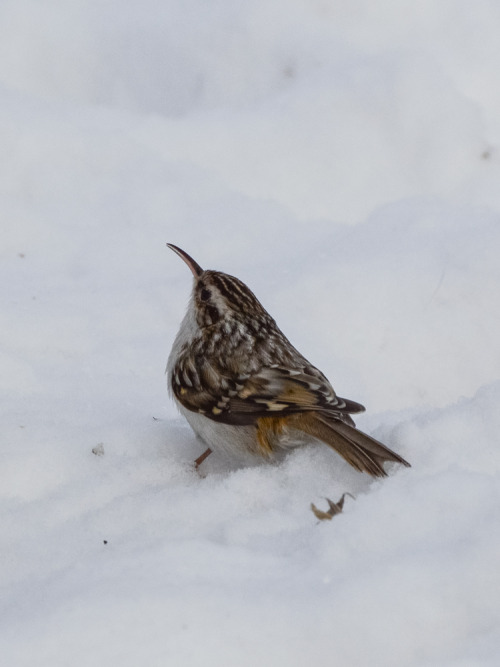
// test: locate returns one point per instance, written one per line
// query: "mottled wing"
(272, 391)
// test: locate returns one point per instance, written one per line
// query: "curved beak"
(196, 269)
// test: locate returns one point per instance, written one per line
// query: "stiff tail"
(360, 450)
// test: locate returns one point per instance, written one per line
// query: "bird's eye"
(205, 294)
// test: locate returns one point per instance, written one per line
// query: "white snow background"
(343, 159)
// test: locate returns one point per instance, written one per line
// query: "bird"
(246, 391)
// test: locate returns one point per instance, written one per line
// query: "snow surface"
(343, 159)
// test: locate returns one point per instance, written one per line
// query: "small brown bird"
(245, 389)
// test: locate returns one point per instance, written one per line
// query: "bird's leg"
(202, 457)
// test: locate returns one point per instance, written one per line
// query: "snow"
(342, 158)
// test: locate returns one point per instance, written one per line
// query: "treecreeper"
(245, 389)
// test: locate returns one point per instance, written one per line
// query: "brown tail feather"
(360, 450)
